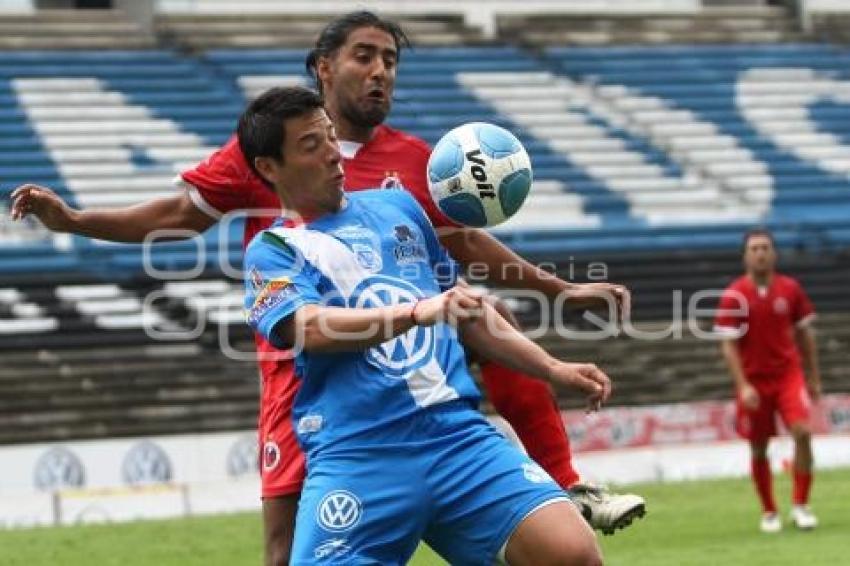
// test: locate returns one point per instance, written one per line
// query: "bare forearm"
(333, 329)
(493, 338)
(733, 361)
(484, 254)
(809, 352)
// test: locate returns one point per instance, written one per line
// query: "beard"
(368, 117)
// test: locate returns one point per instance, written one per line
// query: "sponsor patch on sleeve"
(271, 295)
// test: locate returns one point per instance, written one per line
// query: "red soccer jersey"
(391, 159)
(770, 315)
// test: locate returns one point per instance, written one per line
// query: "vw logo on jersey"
(338, 511)
(406, 352)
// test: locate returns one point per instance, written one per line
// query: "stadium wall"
(181, 475)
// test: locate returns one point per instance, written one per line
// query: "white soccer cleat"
(770, 523)
(604, 510)
(803, 518)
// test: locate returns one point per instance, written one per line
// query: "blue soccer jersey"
(379, 250)
(396, 453)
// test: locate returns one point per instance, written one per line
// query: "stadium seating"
(627, 143)
(71, 29)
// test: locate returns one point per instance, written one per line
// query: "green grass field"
(689, 524)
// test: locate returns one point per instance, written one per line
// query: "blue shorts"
(445, 476)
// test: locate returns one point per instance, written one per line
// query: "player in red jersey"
(355, 64)
(766, 318)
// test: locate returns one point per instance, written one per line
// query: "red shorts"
(281, 459)
(786, 395)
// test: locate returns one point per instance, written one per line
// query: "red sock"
(528, 405)
(763, 481)
(802, 485)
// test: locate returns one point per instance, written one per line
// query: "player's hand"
(585, 377)
(44, 204)
(457, 305)
(595, 295)
(749, 396)
(814, 388)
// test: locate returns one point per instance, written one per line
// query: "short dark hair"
(260, 128)
(336, 33)
(757, 231)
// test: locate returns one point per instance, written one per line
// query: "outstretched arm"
(507, 269)
(494, 338)
(128, 224)
(315, 328)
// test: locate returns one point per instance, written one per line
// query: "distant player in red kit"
(765, 318)
(355, 62)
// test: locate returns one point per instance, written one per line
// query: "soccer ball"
(479, 174)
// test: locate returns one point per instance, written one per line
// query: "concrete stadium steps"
(756, 24)
(687, 369)
(250, 30)
(834, 28)
(72, 29)
(84, 380)
(112, 391)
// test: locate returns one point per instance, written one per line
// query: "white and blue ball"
(479, 174)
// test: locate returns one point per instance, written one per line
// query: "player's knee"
(801, 433)
(758, 450)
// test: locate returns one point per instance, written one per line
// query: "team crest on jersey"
(780, 305)
(271, 295)
(257, 280)
(392, 180)
(367, 258)
(408, 249)
(271, 455)
(364, 243)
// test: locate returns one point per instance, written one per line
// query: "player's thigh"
(759, 424)
(794, 404)
(553, 534)
(279, 527)
(365, 510)
(483, 489)
(282, 467)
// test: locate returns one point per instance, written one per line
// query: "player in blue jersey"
(363, 293)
